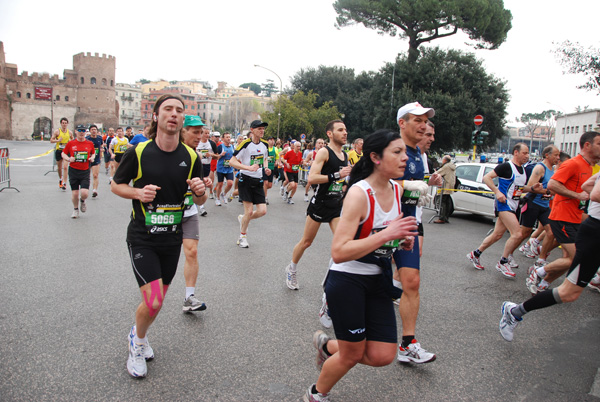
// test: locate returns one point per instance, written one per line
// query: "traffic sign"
(478, 120)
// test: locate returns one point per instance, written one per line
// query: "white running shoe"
(508, 322)
(136, 363)
(475, 261)
(320, 338)
(284, 196)
(524, 247)
(505, 270)
(595, 283)
(414, 353)
(290, 201)
(310, 397)
(193, 304)
(281, 190)
(148, 352)
(94, 193)
(243, 241)
(324, 314)
(75, 214)
(532, 282)
(217, 202)
(223, 199)
(202, 211)
(290, 278)
(306, 199)
(512, 263)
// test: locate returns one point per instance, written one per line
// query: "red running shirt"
(572, 174)
(81, 150)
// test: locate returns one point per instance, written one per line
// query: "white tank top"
(381, 219)
(594, 207)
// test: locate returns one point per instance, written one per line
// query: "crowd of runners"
(371, 198)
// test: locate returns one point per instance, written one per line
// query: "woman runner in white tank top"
(371, 227)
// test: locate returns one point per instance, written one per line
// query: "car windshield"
(467, 172)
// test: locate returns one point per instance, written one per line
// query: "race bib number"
(61, 146)
(410, 197)
(335, 188)
(583, 204)
(517, 192)
(122, 148)
(226, 163)
(161, 222)
(188, 201)
(257, 160)
(547, 197)
(426, 178)
(387, 249)
(96, 151)
(81, 156)
(295, 168)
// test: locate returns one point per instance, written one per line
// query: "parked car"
(471, 178)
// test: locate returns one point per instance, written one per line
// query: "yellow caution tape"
(32, 157)
(466, 191)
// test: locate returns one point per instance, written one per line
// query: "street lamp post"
(278, 100)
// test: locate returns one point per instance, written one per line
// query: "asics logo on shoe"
(137, 256)
(356, 331)
(183, 164)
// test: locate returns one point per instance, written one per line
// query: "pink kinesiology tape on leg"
(154, 294)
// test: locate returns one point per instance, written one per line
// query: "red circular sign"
(478, 120)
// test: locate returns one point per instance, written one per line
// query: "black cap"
(258, 123)
(81, 127)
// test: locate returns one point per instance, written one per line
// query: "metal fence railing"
(5, 170)
(435, 202)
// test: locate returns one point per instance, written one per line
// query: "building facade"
(35, 102)
(569, 128)
(129, 98)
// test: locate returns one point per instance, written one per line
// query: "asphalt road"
(68, 296)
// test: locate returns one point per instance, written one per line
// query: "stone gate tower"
(95, 89)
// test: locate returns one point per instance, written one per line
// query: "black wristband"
(201, 195)
(331, 177)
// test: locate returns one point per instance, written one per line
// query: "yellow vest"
(62, 138)
(120, 146)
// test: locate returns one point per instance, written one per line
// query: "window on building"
(576, 129)
(93, 80)
(28, 95)
(18, 94)
(82, 80)
(193, 107)
(563, 130)
(186, 106)
(219, 107)
(66, 98)
(111, 83)
(57, 97)
(104, 82)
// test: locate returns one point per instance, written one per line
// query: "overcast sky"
(223, 40)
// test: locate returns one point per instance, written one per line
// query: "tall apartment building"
(129, 97)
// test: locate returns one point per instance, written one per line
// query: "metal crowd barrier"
(5, 170)
(435, 203)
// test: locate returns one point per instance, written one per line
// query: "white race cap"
(416, 109)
